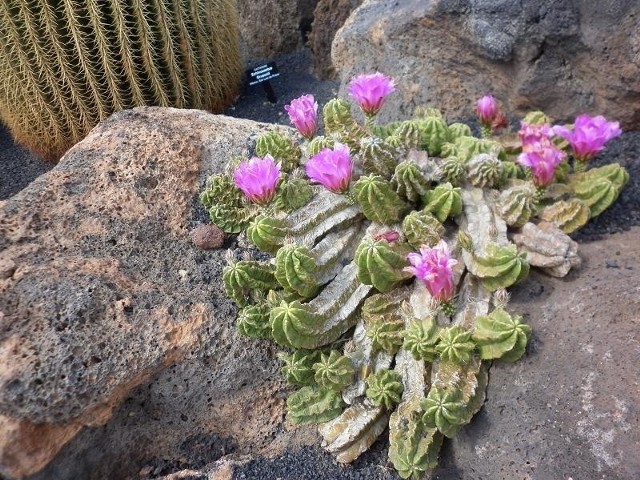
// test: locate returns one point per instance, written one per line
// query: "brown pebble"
(207, 237)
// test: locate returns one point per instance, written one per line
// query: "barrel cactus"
(389, 293)
(65, 66)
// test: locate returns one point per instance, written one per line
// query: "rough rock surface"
(273, 27)
(561, 56)
(328, 18)
(101, 285)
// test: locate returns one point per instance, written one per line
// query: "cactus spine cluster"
(367, 343)
(66, 65)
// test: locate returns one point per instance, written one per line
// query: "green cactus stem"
(443, 409)
(455, 345)
(295, 270)
(421, 338)
(366, 359)
(253, 321)
(434, 133)
(298, 366)
(354, 431)
(314, 404)
(325, 318)
(511, 170)
(413, 447)
(499, 266)
(516, 204)
(303, 271)
(536, 118)
(281, 147)
(465, 148)
(597, 194)
(339, 121)
(422, 228)
(409, 133)
(567, 215)
(316, 144)
(384, 387)
(226, 204)
(293, 193)
(379, 202)
(381, 263)
(242, 279)
(384, 319)
(409, 181)
(444, 201)
(377, 157)
(451, 170)
(65, 66)
(333, 371)
(484, 170)
(457, 394)
(599, 187)
(458, 130)
(385, 335)
(267, 233)
(500, 335)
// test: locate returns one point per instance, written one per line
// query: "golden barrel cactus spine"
(65, 66)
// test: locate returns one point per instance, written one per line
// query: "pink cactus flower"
(543, 162)
(303, 113)
(539, 153)
(370, 91)
(331, 168)
(589, 134)
(531, 134)
(434, 266)
(258, 179)
(487, 109)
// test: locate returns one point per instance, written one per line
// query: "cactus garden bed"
(382, 255)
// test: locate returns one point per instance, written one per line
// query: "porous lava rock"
(561, 56)
(328, 18)
(270, 28)
(101, 286)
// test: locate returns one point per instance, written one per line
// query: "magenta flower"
(331, 168)
(543, 163)
(370, 91)
(258, 178)
(589, 135)
(303, 113)
(539, 153)
(434, 266)
(531, 134)
(487, 109)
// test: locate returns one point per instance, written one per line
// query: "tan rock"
(101, 287)
(207, 237)
(273, 27)
(565, 58)
(328, 18)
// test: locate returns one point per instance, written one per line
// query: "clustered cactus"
(66, 65)
(386, 285)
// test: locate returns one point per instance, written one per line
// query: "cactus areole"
(384, 280)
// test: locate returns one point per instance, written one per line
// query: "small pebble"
(207, 237)
(611, 264)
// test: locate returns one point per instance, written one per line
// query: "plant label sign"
(262, 74)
